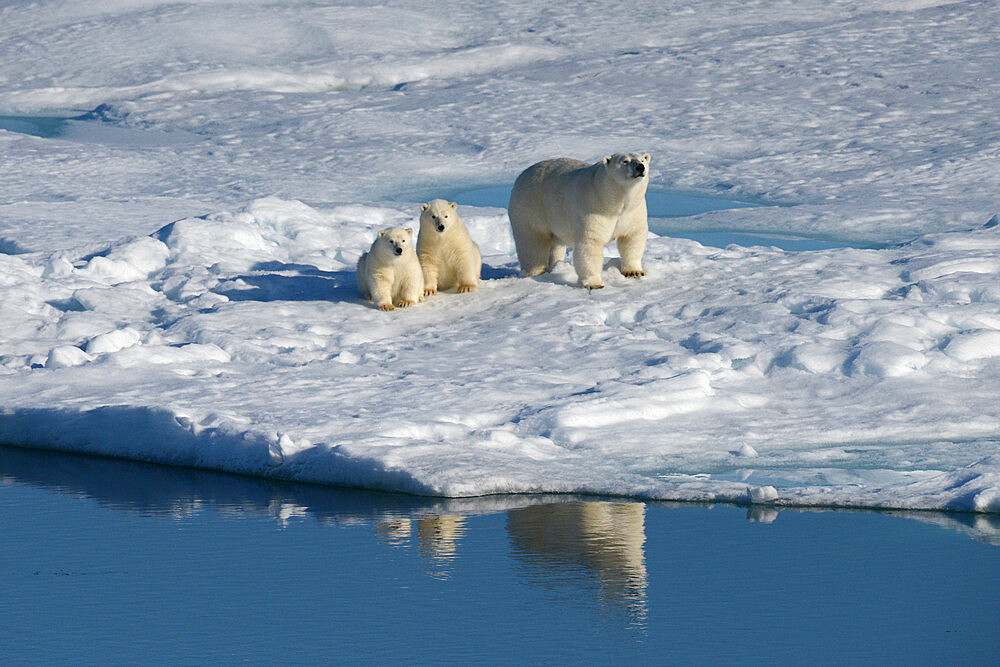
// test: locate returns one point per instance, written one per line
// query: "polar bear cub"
(564, 202)
(448, 255)
(389, 273)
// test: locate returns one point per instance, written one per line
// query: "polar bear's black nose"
(440, 228)
(399, 251)
(640, 169)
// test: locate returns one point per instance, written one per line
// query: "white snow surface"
(177, 266)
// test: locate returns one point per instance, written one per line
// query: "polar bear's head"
(438, 215)
(396, 240)
(627, 168)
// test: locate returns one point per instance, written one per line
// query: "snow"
(177, 254)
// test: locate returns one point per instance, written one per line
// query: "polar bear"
(389, 273)
(565, 202)
(448, 255)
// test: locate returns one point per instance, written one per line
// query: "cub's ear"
(646, 156)
(381, 234)
(607, 159)
(453, 204)
(424, 207)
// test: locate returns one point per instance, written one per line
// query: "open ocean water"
(113, 562)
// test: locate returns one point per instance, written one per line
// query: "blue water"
(107, 561)
(37, 126)
(664, 207)
(103, 125)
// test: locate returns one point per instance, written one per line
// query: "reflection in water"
(437, 538)
(603, 540)
(761, 514)
(560, 541)
(394, 532)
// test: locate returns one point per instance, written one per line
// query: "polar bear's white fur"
(389, 273)
(448, 255)
(564, 202)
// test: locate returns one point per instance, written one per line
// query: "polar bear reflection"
(605, 538)
(437, 538)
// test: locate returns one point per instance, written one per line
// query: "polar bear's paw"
(634, 273)
(593, 286)
(405, 303)
(462, 289)
(387, 306)
(430, 291)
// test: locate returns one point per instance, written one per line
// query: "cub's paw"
(593, 286)
(429, 291)
(462, 289)
(387, 306)
(634, 273)
(405, 303)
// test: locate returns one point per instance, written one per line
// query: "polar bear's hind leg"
(557, 253)
(532, 250)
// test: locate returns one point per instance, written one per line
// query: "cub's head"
(627, 167)
(396, 239)
(438, 215)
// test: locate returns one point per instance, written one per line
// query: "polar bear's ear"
(409, 232)
(453, 204)
(424, 207)
(381, 234)
(646, 156)
(607, 159)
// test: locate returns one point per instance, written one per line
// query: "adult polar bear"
(565, 202)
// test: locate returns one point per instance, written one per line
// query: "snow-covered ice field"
(177, 262)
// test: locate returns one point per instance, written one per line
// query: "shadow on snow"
(280, 281)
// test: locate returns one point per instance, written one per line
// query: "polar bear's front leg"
(631, 248)
(411, 290)
(469, 271)
(588, 253)
(382, 291)
(468, 280)
(429, 268)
